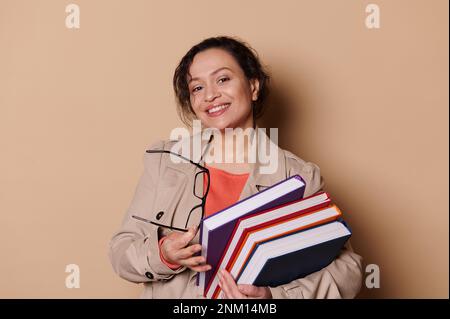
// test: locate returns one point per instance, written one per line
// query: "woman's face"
(220, 93)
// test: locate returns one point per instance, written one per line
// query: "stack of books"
(272, 237)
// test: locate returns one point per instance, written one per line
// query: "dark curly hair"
(247, 59)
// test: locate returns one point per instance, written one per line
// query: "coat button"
(159, 215)
(149, 275)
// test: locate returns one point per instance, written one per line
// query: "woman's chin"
(226, 121)
(219, 124)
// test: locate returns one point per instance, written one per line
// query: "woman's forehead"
(209, 61)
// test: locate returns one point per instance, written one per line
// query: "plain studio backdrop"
(79, 106)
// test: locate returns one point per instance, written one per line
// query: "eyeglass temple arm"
(157, 224)
(181, 156)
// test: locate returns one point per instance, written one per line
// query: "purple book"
(216, 229)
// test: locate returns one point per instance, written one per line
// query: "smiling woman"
(220, 82)
(217, 76)
(224, 91)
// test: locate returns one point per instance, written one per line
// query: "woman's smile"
(216, 111)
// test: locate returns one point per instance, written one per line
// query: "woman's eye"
(221, 80)
(197, 88)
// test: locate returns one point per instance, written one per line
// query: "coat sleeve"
(340, 279)
(133, 249)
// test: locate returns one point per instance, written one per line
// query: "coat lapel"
(257, 181)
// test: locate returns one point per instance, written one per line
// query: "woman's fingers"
(251, 291)
(189, 235)
(188, 251)
(196, 264)
(174, 247)
(180, 254)
(179, 241)
(201, 268)
(228, 285)
(193, 261)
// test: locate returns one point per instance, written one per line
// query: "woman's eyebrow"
(213, 72)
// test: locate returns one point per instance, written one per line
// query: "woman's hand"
(175, 250)
(233, 291)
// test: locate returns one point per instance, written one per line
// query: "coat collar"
(257, 181)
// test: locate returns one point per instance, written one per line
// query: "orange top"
(224, 189)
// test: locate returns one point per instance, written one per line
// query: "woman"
(220, 82)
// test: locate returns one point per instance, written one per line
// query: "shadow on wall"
(282, 110)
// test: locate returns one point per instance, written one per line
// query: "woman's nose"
(211, 93)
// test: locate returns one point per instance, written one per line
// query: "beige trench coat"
(164, 194)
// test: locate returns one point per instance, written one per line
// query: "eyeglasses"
(203, 172)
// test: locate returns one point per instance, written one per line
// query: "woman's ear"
(254, 87)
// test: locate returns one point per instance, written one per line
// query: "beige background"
(79, 107)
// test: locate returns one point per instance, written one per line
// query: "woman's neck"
(234, 145)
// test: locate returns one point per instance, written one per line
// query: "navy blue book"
(283, 259)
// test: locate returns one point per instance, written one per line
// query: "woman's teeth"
(218, 108)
